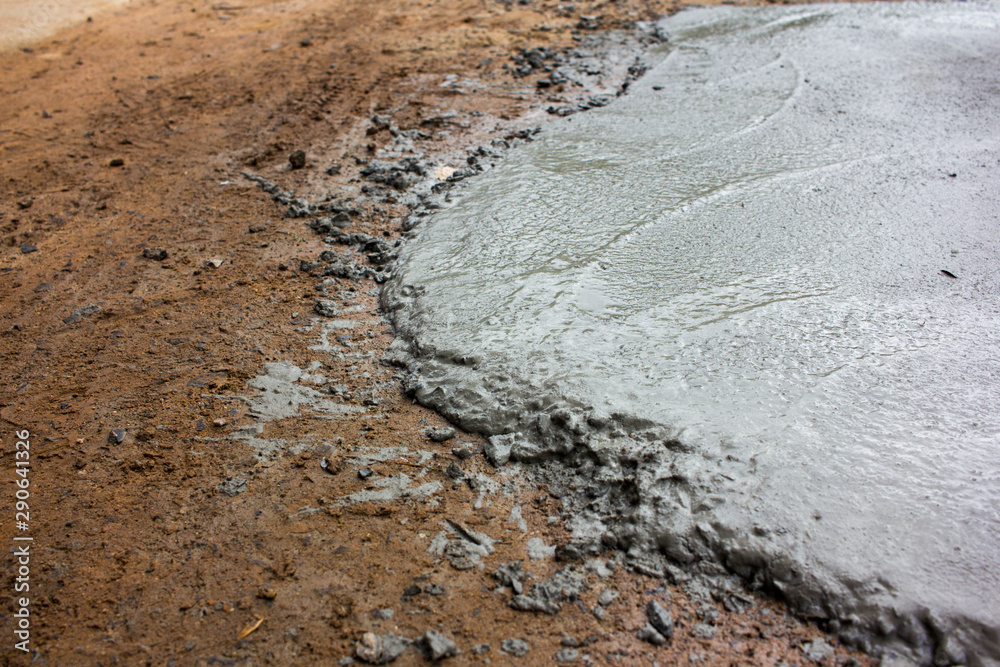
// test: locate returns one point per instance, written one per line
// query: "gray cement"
(281, 396)
(751, 307)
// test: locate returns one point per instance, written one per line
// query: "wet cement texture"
(754, 303)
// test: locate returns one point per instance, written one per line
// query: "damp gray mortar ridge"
(604, 471)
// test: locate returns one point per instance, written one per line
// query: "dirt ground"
(170, 512)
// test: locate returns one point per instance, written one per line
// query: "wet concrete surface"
(755, 303)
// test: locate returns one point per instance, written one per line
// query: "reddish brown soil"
(138, 557)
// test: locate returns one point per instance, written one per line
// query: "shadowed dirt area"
(151, 295)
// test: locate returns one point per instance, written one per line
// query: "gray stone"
(660, 619)
(81, 312)
(509, 574)
(648, 633)
(497, 449)
(949, 652)
(704, 631)
(607, 596)
(538, 550)
(380, 649)
(117, 436)
(393, 646)
(464, 452)
(547, 596)
(436, 646)
(817, 650)
(326, 308)
(567, 655)
(515, 647)
(234, 486)
(441, 434)
(895, 660)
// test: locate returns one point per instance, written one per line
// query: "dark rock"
(648, 633)
(156, 254)
(562, 111)
(305, 41)
(365, 473)
(331, 225)
(25, 203)
(441, 434)
(117, 436)
(299, 208)
(436, 646)
(660, 619)
(463, 453)
(333, 170)
(297, 159)
(379, 123)
(28, 248)
(454, 471)
(515, 647)
(412, 590)
(256, 229)
(569, 552)
(117, 162)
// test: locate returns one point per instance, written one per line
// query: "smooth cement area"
(762, 292)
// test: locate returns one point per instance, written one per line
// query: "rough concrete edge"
(564, 456)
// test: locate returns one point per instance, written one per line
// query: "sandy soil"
(27, 21)
(128, 134)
